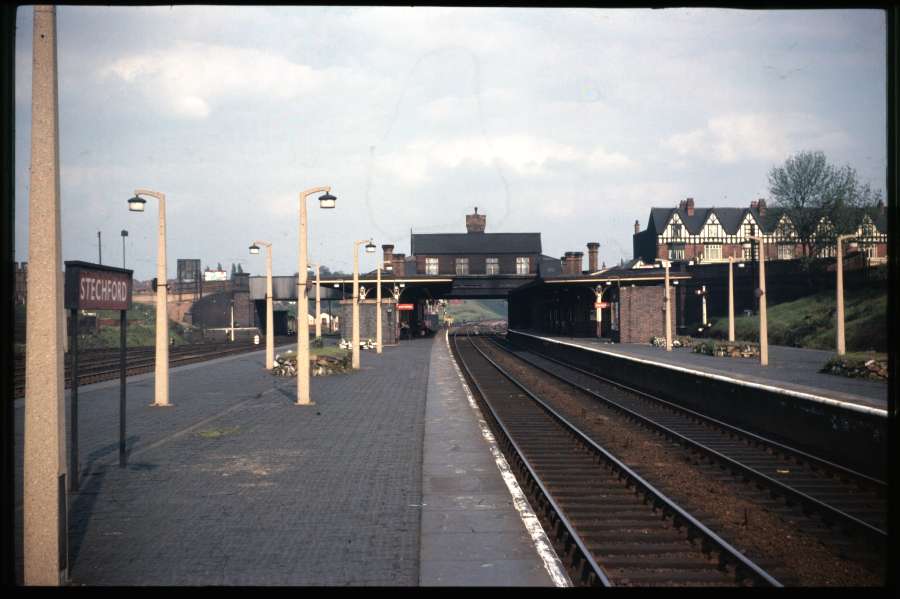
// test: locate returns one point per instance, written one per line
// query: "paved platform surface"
(789, 368)
(386, 481)
(472, 533)
(235, 485)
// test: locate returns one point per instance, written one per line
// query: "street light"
(370, 249)
(325, 201)
(761, 294)
(318, 304)
(841, 347)
(270, 311)
(599, 291)
(731, 299)
(161, 383)
(666, 264)
(378, 309)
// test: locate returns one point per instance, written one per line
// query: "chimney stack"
(398, 261)
(688, 205)
(475, 223)
(593, 256)
(577, 262)
(637, 227)
(569, 261)
(760, 205)
(388, 254)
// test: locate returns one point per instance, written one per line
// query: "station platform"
(388, 480)
(791, 371)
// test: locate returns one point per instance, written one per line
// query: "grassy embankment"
(141, 330)
(809, 322)
(475, 310)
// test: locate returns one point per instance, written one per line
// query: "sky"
(568, 122)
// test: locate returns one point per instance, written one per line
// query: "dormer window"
(676, 230)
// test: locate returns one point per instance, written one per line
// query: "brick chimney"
(577, 262)
(569, 264)
(475, 223)
(593, 256)
(398, 261)
(688, 206)
(760, 205)
(388, 250)
(637, 227)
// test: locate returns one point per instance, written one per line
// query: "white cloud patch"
(732, 138)
(524, 154)
(190, 78)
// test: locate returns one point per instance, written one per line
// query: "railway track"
(853, 502)
(97, 365)
(610, 526)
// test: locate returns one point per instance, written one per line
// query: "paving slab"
(471, 531)
(789, 368)
(236, 485)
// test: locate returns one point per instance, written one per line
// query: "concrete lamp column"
(731, 299)
(761, 292)
(44, 511)
(378, 310)
(161, 391)
(841, 346)
(355, 335)
(318, 303)
(325, 201)
(666, 304)
(270, 310)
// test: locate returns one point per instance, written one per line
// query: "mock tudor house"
(710, 235)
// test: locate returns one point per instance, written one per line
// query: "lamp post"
(270, 310)
(599, 291)
(161, 383)
(841, 347)
(761, 293)
(370, 248)
(730, 298)
(318, 303)
(325, 201)
(124, 235)
(666, 264)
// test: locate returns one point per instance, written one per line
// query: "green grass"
(141, 329)
(809, 322)
(475, 310)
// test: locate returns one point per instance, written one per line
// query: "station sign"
(601, 304)
(405, 307)
(97, 287)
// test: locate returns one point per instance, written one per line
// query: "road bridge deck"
(236, 485)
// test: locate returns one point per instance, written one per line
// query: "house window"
(747, 251)
(492, 266)
(676, 230)
(713, 251)
(749, 230)
(431, 266)
(713, 230)
(522, 265)
(462, 266)
(676, 252)
(785, 251)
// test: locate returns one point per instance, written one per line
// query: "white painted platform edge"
(542, 545)
(798, 394)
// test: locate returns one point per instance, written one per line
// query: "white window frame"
(523, 261)
(492, 268)
(709, 255)
(785, 251)
(462, 266)
(432, 266)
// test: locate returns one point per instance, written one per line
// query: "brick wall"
(641, 313)
(367, 323)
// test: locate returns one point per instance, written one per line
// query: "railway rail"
(97, 365)
(854, 502)
(610, 525)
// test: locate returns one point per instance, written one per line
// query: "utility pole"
(99, 249)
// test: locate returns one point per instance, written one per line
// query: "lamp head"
(136, 204)
(254, 249)
(327, 201)
(370, 247)
(124, 233)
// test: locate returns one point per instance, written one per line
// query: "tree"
(807, 188)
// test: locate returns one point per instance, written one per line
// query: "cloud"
(524, 154)
(733, 138)
(189, 79)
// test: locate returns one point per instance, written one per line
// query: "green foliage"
(810, 322)
(475, 310)
(807, 187)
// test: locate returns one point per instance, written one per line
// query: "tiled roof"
(475, 243)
